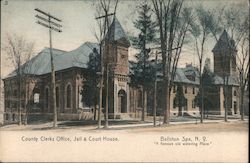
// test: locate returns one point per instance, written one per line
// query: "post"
(51, 25)
(155, 89)
(19, 93)
(100, 102)
(100, 91)
(53, 82)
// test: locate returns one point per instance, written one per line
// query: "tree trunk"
(155, 102)
(225, 103)
(144, 104)
(26, 103)
(242, 103)
(19, 102)
(167, 111)
(107, 97)
(202, 102)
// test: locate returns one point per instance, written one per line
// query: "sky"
(78, 21)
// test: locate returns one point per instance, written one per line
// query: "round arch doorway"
(122, 101)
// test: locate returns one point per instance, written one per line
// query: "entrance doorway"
(122, 101)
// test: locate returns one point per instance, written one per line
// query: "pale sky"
(78, 20)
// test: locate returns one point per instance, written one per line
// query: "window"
(185, 104)
(36, 98)
(6, 117)
(193, 104)
(13, 117)
(57, 97)
(193, 90)
(185, 89)
(68, 100)
(235, 107)
(175, 102)
(174, 90)
(235, 93)
(46, 98)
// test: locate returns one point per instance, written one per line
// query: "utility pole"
(102, 73)
(104, 64)
(48, 23)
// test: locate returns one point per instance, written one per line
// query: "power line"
(46, 22)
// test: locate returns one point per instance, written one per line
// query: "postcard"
(124, 81)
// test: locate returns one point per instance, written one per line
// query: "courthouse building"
(125, 101)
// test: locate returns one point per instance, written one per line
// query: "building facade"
(124, 100)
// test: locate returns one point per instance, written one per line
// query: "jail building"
(125, 100)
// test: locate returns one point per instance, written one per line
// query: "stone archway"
(122, 101)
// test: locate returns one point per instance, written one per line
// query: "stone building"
(125, 101)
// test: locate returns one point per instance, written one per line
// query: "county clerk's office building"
(125, 100)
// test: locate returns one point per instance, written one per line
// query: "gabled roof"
(180, 75)
(40, 64)
(224, 43)
(116, 33)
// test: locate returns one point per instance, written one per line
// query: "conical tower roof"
(116, 33)
(224, 43)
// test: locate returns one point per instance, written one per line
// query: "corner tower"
(225, 56)
(115, 56)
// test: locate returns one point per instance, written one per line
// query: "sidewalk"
(117, 124)
(150, 123)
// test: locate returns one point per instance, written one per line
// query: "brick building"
(125, 101)
(226, 74)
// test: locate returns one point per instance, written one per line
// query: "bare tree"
(102, 11)
(243, 68)
(19, 51)
(236, 21)
(173, 22)
(201, 31)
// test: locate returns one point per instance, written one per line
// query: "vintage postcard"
(124, 81)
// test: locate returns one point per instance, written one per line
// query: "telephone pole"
(48, 23)
(106, 25)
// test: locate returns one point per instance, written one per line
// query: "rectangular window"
(6, 117)
(185, 89)
(193, 90)
(193, 104)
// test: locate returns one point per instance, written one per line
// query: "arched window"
(235, 93)
(68, 100)
(185, 89)
(57, 97)
(46, 97)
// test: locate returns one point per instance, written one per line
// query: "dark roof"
(180, 75)
(224, 43)
(117, 33)
(40, 64)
